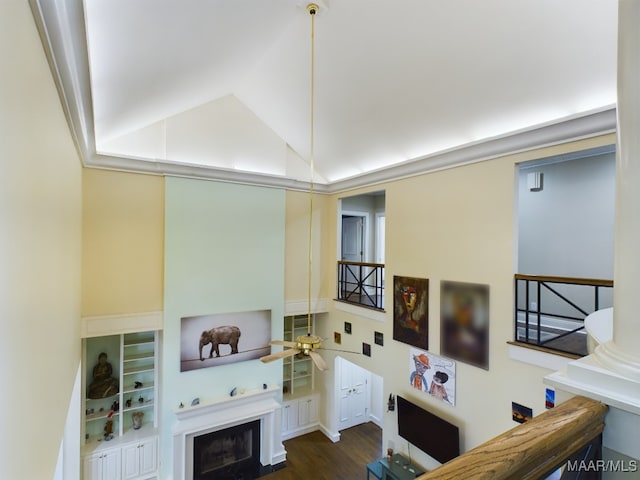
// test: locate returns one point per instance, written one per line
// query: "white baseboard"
(376, 420)
(333, 436)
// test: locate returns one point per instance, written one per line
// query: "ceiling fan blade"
(278, 355)
(284, 343)
(318, 360)
(336, 350)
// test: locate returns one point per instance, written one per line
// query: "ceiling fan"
(306, 344)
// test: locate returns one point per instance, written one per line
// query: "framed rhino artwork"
(224, 338)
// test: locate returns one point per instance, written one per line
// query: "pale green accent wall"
(224, 252)
(40, 233)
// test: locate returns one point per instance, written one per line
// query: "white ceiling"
(225, 83)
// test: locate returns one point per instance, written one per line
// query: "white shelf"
(133, 357)
(138, 369)
(130, 388)
(135, 405)
(100, 416)
(140, 356)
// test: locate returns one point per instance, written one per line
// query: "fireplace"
(229, 454)
(227, 437)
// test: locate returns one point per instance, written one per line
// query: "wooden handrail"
(596, 282)
(532, 449)
(360, 264)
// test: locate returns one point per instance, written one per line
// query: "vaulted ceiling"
(222, 87)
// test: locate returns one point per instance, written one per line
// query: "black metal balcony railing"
(361, 283)
(550, 311)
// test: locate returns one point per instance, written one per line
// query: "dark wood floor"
(315, 457)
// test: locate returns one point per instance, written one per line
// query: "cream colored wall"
(40, 215)
(456, 224)
(122, 243)
(297, 248)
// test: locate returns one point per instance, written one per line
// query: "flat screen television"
(431, 434)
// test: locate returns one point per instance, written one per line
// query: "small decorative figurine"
(195, 401)
(103, 384)
(136, 417)
(140, 399)
(128, 403)
(181, 405)
(137, 385)
(233, 392)
(264, 386)
(108, 428)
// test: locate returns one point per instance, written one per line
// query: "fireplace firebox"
(229, 454)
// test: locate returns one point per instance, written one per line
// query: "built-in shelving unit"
(131, 449)
(297, 371)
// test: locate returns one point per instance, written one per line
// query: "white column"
(623, 353)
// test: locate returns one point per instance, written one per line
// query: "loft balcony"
(361, 283)
(550, 311)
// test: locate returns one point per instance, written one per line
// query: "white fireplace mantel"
(211, 416)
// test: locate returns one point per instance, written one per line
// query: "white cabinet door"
(130, 461)
(307, 411)
(289, 416)
(92, 467)
(102, 466)
(148, 456)
(111, 465)
(139, 458)
(303, 412)
(313, 409)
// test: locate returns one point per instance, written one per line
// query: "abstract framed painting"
(411, 311)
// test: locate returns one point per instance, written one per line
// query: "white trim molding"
(100, 325)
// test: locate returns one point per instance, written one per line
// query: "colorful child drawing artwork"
(433, 374)
(410, 311)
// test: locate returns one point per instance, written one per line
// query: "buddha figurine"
(103, 384)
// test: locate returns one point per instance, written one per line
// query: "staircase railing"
(568, 436)
(361, 283)
(550, 311)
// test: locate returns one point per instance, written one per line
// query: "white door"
(353, 394)
(352, 238)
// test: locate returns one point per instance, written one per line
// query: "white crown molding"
(61, 27)
(62, 30)
(572, 128)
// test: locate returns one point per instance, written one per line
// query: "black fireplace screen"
(232, 453)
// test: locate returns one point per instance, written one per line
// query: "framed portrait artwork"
(464, 323)
(411, 311)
